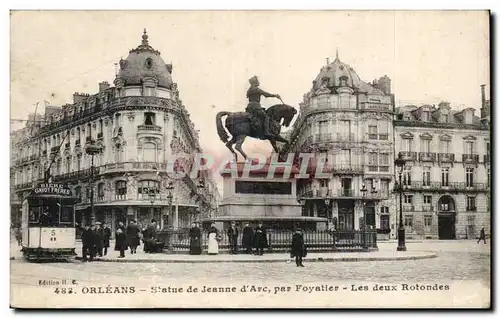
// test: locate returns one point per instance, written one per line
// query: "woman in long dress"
(195, 240)
(213, 244)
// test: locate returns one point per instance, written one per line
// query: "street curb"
(309, 260)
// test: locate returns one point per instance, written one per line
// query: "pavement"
(385, 253)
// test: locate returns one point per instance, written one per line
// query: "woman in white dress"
(213, 244)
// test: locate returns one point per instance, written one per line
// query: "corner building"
(139, 123)
(350, 122)
(446, 179)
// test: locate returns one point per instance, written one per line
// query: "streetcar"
(48, 223)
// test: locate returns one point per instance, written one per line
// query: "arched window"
(149, 152)
(100, 192)
(68, 164)
(148, 189)
(78, 192)
(78, 162)
(121, 190)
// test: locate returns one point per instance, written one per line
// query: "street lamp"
(200, 186)
(399, 163)
(170, 197)
(92, 150)
(363, 192)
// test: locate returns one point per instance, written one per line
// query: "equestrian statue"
(256, 121)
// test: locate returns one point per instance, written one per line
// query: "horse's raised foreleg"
(229, 146)
(239, 142)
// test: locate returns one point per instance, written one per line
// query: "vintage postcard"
(250, 159)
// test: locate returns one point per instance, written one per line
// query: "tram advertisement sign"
(53, 188)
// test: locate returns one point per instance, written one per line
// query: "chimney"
(103, 86)
(79, 97)
(483, 96)
(384, 84)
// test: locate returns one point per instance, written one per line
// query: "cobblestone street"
(457, 260)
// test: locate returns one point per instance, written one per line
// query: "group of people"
(95, 241)
(130, 236)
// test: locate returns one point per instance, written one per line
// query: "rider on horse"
(254, 93)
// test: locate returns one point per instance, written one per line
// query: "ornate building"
(350, 122)
(138, 123)
(446, 178)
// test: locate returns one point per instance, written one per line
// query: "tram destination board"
(53, 189)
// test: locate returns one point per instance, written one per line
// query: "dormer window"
(425, 115)
(149, 118)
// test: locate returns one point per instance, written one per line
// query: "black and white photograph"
(250, 159)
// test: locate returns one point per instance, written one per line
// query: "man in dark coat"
(298, 247)
(88, 242)
(106, 236)
(150, 239)
(482, 236)
(194, 240)
(260, 239)
(121, 239)
(99, 233)
(247, 240)
(133, 236)
(233, 238)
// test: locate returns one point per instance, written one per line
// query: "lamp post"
(92, 150)
(363, 198)
(170, 197)
(201, 186)
(374, 193)
(399, 163)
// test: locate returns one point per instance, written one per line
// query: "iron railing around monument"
(178, 241)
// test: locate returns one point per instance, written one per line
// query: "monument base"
(269, 222)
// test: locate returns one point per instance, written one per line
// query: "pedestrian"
(233, 233)
(87, 244)
(121, 239)
(194, 240)
(133, 239)
(94, 240)
(247, 240)
(298, 249)
(213, 244)
(260, 239)
(150, 238)
(106, 236)
(99, 233)
(482, 236)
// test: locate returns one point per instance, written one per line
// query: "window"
(428, 221)
(407, 176)
(323, 183)
(344, 129)
(384, 221)
(407, 145)
(408, 199)
(68, 164)
(384, 188)
(87, 195)
(408, 220)
(149, 91)
(445, 118)
(384, 210)
(149, 152)
(469, 147)
(425, 145)
(78, 163)
(345, 157)
(322, 129)
(383, 130)
(100, 192)
(148, 189)
(445, 145)
(469, 177)
(120, 190)
(445, 177)
(100, 126)
(471, 203)
(426, 176)
(372, 131)
(372, 159)
(425, 115)
(427, 199)
(118, 153)
(149, 118)
(384, 159)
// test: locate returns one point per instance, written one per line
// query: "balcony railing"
(345, 137)
(345, 193)
(375, 106)
(409, 155)
(347, 169)
(80, 174)
(149, 129)
(130, 166)
(427, 156)
(427, 208)
(446, 187)
(446, 157)
(383, 136)
(408, 208)
(472, 158)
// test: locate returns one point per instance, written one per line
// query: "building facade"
(349, 122)
(139, 123)
(446, 176)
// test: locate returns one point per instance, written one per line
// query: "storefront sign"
(53, 188)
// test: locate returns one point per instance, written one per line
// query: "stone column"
(176, 219)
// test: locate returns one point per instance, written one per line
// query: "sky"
(429, 55)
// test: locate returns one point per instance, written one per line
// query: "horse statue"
(241, 125)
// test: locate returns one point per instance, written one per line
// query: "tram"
(48, 223)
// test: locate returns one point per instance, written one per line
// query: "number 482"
(63, 290)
